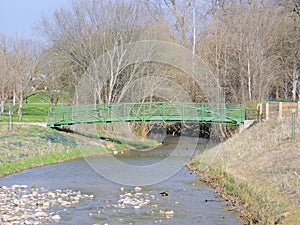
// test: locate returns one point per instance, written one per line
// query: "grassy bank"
(35, 108)
(258, 172)
(31, 146)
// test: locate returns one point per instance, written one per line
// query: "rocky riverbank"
(20, 204)
(140, 200)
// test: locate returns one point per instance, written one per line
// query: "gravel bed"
(20, 204)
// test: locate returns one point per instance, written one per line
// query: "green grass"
(32, 161)
(31, 112)
(35, 112)
(32, 146)
(35, 109)
(38, 97)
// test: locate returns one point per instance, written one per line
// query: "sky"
(18, 17)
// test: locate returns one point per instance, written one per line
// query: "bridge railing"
(147, 111)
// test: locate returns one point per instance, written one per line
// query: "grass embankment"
(31, 146)
(34, 109)
(27, 146)
(32, 112)
(258, 172)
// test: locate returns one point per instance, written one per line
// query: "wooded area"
(252, 47)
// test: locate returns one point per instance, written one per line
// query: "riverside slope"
(29, 146)
(258, 172)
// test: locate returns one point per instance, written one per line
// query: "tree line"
(252, 47)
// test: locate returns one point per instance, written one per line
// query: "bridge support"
(246, 125)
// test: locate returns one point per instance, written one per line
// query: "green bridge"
(147, 111)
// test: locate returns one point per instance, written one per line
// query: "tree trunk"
(14, 98)
(295, 82)
(2, 105)
(295, 85)
(2, 101)
(53, 101)
(249, 80)
(20, 107)
(277, 92)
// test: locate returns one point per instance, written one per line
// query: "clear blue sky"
(18, 17)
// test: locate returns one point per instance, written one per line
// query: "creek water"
(189, 201)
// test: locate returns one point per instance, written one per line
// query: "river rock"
(40, 214)
(59, 200)
(39, 203)
(167, 213)
(75, 198)
(5, 218)
(74, 202)
(51, 194)
(15, 186)
(152, 196)
(16, 202)
(20, 204)
(66, 203)
(46, 204)
(137, 188)
(56, 217)
(34, 193)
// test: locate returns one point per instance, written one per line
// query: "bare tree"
(241, 44)
(5, 71)
(24, 69)
(88, 30)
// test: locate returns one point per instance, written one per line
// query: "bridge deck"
(147, 111)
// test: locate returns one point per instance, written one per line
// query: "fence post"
(259, 112)
(267, 111)
(280, 110)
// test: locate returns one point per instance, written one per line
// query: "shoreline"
(257, 173)
(31, 146)
(241, 173)
(43, 161)
(232, 203)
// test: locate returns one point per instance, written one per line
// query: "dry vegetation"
(258, 171)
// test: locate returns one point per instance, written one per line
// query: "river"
(188, 200)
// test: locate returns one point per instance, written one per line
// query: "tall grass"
(260, 169)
